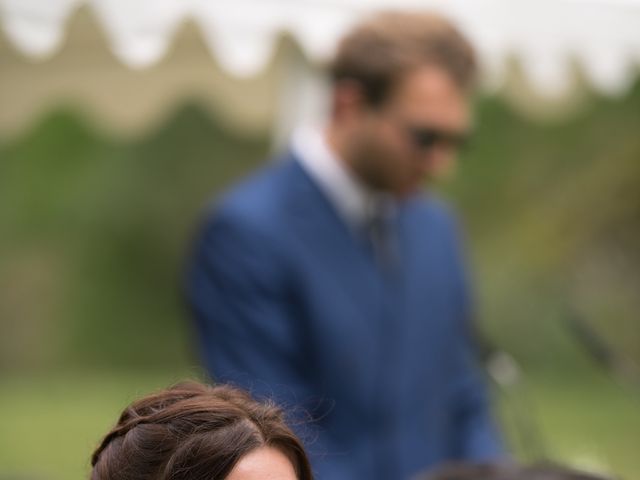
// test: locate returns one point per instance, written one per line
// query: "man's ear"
(348, 100)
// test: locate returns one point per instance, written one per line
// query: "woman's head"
(196, 432)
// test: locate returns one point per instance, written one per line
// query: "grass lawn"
(51, 423)
(587, 421)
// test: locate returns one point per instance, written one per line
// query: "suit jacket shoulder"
(258, 201)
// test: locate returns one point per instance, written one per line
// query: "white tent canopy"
(604, 36)
(152, 55)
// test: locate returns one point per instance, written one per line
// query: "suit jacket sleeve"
(237, 290)
(249, 331)
(477, 437)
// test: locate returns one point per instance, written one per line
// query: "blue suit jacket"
(290, 305)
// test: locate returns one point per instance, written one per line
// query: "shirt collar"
(353, 200)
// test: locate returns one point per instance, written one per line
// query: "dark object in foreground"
(488, 471)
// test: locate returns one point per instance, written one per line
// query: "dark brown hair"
(385, 47)
(193, 431)
(470, 471)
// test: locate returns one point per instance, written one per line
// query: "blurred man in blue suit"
(330, 282)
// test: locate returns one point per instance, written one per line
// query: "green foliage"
(553, 213)
(95, 230)
(93, 233)
(94, 236)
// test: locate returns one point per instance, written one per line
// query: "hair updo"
(193, 431)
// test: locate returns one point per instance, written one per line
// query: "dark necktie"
(381, 236)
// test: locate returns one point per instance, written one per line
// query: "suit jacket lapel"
(331, 241)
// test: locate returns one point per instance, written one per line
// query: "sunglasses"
(425, 138)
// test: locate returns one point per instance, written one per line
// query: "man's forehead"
(430, 92)
(427, 83)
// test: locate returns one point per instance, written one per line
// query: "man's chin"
(410, 190)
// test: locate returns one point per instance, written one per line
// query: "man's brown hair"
(193, 432)
(379, 51)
